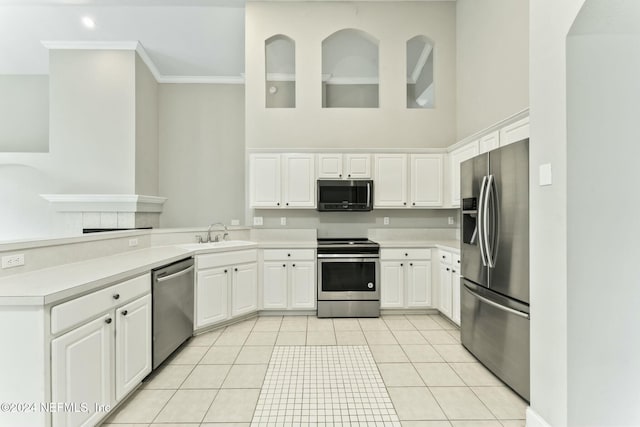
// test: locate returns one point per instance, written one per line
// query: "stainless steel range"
(348, 278)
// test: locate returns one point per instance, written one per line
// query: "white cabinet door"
(244, 293)
(455, 158)
(426, 180)
(419, 284)
(455, 289)
(390, 185)
(514, 132)
(392, 284)
(212, 304)
(264, 181)
(302, 284)
(489, 142)
(357, 166)
(133, 345)
(81, 371)
(330, 165)
(299, 181)
(445, 290)
(274, 284)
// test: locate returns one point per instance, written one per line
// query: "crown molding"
(144, 56)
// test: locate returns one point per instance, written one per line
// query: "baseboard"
(535, 420)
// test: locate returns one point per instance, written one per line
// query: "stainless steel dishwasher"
(172, 296)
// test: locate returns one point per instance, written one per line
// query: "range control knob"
(370, 285)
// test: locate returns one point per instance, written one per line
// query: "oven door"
(352, 278)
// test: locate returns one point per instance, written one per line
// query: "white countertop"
(56, 284)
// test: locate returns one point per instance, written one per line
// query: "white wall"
(24, 108)
(550, 21)
(146, 122)
(603, 65)
(492, 47)
(202, 153)
(391, 125)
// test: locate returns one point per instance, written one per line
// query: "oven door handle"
(358, 257)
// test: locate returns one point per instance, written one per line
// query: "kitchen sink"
(217, 245)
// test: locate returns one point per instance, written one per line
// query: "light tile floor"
(217, 378)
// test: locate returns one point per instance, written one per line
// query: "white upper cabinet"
(456, 157)
(426, 180)
(357, 166)
(514, 132)
(299, 181)
(282, 180)
(490, 141)
(390, 182)
(265, 187)
(344, 166)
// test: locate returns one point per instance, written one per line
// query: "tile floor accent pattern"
(323, 384)
(219, 377)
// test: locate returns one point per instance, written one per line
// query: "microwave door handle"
(368, 194)
(480, 221)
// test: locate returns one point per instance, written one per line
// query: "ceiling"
(183, 38)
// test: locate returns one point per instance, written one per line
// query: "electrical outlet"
(133, 242)
(283, 220)
(450, 220)
(385, 220)
(257, 220)
(235, 222)
(11, 261)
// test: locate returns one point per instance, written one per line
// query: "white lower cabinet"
(81, 371)
(288, 279)
(449, 285)
(226, 286)
(405, 278)
(133, 345)
(97, 362)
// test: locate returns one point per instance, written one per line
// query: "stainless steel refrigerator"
(494, 294)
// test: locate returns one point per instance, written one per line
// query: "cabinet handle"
(294, 265)
(447, 268)
(124, 312)
(225, 271)
(278, 203)
(288, 254)
(287, 203)
(405, 203)
(411, 264)
(458, 261)
(443, 257)
(116, 296)
(235, 269)
(401, 264)
(414, 203)
(453, 271)
(284, 265)
(340, 175)
(406, 254)
(108, 320)
(349, 176)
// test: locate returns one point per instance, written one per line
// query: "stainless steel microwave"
(345, 195)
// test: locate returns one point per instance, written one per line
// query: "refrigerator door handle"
(481, 232)
(496, 305)
(485, 222)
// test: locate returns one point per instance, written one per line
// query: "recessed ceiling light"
(88, 22)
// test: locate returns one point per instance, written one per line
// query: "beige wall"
(93, 120)
(24, 108)
(391, 125)
(146, 177)
(201, 153)
(550, 24)
(492, 39)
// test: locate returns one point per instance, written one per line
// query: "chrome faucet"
(217, 237)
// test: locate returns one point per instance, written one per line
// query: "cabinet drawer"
(444, 257)
(81, 309)
(287, 254)
(406, 253)
(226, 258)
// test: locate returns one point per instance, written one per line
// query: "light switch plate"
(385, 220)
(257, 220)
(546, 177)
(283, 220)
(450, 220)
(235, 222)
